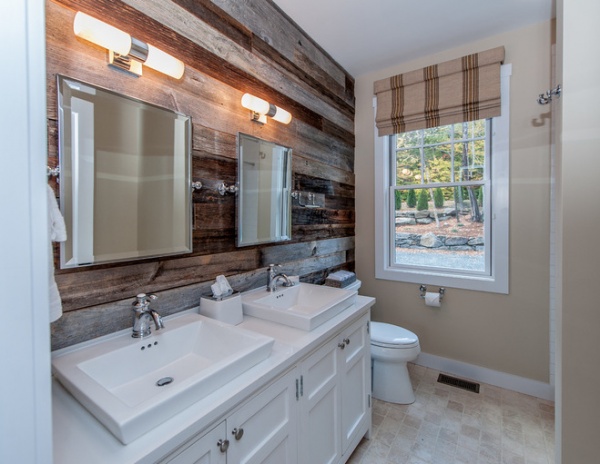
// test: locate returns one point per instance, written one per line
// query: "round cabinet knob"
(342, 345)
(223, 445)
(347, 341)
(238, 433)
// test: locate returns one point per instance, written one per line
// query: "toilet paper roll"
(432, 299)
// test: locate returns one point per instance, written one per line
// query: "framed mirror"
(264, 205)
(125, 189)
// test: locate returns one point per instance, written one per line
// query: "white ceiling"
(367, 35)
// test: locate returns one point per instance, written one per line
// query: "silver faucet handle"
(143, 300)
(272, 269)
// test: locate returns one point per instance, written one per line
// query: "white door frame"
(25, 391)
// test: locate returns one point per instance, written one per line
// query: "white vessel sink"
(304, 306)
(117, 379)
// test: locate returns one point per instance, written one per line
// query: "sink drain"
(164, 381)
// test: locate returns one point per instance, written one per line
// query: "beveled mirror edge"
(289, 176)
(187, 119)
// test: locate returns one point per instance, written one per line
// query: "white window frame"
(497, 280)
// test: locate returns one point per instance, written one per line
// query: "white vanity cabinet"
(356, 385)
(334, 406)
(203, 450)
(308, 403)
(316, 413)
(262, 430)
(319, 406)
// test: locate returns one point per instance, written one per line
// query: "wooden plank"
(214, 221)
(305, 232)
(78, 326)
(306, 71)
(207, 141)
(214, 168)
(289, 89)
(313, 264)
(270, 23)
(224, 23)
(215, 216)
(311, 216)
(323, 186)
(321, 146)
(303, 166)
(303, 68)
(92, 286)
(214, 241)
(281, 253)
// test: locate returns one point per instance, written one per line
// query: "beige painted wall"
(578, 351)
(507, 333)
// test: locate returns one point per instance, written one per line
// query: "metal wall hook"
(196, 185)
(544, 99)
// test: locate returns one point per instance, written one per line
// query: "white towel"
(57, 232)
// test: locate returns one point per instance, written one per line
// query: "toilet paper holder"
(423, 290)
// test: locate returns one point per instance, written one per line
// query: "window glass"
(443, 225)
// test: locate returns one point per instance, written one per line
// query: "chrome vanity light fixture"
(124, 51)
(262, 109)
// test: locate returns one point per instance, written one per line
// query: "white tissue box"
(227, 309)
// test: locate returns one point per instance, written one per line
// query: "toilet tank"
(354, 285)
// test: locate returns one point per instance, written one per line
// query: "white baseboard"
(489, 376)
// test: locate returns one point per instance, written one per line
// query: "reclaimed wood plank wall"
(229, 48)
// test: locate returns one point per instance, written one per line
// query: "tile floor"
(448, 425)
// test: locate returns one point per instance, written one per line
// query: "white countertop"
(79, 437)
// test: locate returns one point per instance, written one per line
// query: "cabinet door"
(204, 450)
(263, 431)
(319, 406)
(355, 374)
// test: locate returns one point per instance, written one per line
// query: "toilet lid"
(392, 336)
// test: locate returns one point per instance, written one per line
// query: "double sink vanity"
(291, 383)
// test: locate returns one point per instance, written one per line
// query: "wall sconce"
(126, 52)
(261, 109)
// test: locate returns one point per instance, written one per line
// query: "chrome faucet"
(143, 316)
(274, 278)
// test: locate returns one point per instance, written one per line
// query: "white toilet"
(391, 348)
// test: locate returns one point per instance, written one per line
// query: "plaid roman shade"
(460, 90)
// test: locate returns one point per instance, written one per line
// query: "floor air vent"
(460, 383)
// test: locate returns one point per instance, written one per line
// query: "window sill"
(491, 284)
